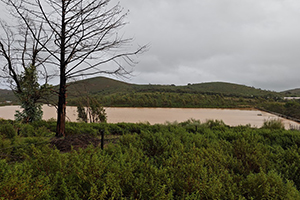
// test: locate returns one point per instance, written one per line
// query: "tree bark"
(62, 103)
(61, 110)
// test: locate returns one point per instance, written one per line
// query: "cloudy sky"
(250, 42)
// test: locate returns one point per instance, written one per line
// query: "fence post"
(102, 138)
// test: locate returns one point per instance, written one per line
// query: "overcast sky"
(250, 42)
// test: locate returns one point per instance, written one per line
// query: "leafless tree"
(83, 38)
(19, 50)
(22, 66)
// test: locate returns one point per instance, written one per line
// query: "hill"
(7, 95)
(211, 88)
(103, 86)
(98, 84)
(292, 92)
(203, 95)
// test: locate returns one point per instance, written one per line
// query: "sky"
(249, 42)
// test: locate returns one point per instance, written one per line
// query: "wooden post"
(102, 139)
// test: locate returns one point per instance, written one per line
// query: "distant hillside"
(97, 85)
(7, 95)
(106, 86)
(203, 95)
(222, 88)
(292, 92)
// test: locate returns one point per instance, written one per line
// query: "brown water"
(232, 117)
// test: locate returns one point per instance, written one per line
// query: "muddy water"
(232, 117)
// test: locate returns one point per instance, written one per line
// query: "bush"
(8, 131)
(80, 128)
(27, 130)
(268, 186)
(159, 162)
(274, 124)
(43, 131)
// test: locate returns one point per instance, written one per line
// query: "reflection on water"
(232, 117)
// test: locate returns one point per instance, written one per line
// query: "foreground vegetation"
(189, 160)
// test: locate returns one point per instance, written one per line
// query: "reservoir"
(231, 117)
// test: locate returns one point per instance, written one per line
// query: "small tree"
(23, 69)
(32, 91)
(82, 115)
(94, 111)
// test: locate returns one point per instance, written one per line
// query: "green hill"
(212, 88)
(203, 95)
(7, 95)
(98, 84)
(101, 86)
(292, 92)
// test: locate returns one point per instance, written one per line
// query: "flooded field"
(232, 117)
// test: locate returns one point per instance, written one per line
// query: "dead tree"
(22, 67)
(83, 37)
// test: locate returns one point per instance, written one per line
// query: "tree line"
(182, 100)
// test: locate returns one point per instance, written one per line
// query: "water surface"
(232, 117)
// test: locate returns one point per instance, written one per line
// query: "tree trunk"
(61, 110)
(62, 103)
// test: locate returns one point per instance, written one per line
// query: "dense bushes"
(173, 99)
(273, 124)
(186, 160)
(290, 108)
(7, 130)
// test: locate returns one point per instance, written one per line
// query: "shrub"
(268, 186)
(161, 162)
(43, 131)
(273, 124)
(8, 131)
(115, 129)
(27, 130)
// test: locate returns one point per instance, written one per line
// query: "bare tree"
(23, 68)
(83, 37)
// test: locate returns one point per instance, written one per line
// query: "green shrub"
(158, 162)
(288, 164)
(43, 131)
(80, 128)
(273, 124)
(268, 186)
(7, 130)
(115, 129)
(27, 130)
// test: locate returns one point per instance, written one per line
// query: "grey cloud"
(255, 43)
